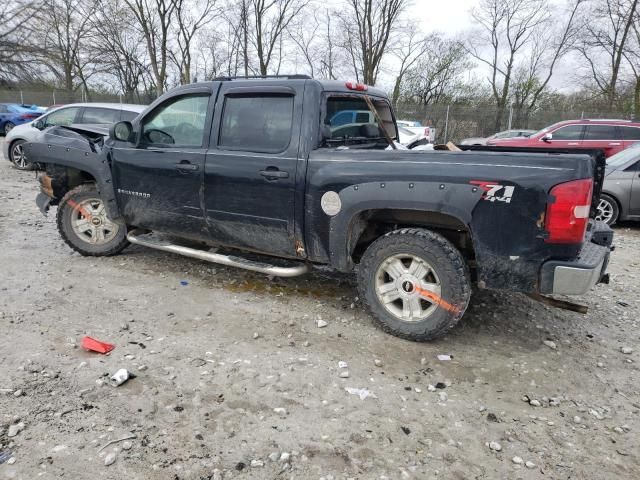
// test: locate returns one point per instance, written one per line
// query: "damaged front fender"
(73, 156)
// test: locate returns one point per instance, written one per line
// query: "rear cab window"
(348, 120)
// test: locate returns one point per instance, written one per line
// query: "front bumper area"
(578, 276)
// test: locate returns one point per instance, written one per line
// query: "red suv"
(610, 136)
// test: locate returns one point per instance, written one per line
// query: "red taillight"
(360, 87)
(568, 211)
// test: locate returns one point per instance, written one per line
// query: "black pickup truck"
(303, 172)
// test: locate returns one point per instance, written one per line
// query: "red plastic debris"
(94, 345)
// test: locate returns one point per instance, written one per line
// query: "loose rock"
(495, 446)
(550, 344)
(517, 460)
(15, 429)
(110, 459)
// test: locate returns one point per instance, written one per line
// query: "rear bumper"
(578, 276)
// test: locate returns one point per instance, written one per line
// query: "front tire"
(608, 210)
(84, 226)
(18, 156)
(415, 283)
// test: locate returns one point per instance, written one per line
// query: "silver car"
(620, 198)
(505, 134)
(75, 113)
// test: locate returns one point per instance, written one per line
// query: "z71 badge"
(494, 192)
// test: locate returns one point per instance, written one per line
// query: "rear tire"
(84, 226)
(608, 210)
(415, 283)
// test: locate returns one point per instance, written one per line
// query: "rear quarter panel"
(500, 198)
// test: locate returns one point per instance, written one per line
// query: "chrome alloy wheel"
(19, 156)
(604, 211)
(90, 223)
(408, 287)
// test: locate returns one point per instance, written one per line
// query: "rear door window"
(257, 123)
(601, 132)
(631, 133)
(100, 115)
(571, 132)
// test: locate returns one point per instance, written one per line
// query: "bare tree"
(119, 46)
(270, 19)
(632, 55)
(15, 23)
(606, 33)
(154, 18)
(532, 78)
(60, 41)
(369, 27)
(408, 52)
(191, 18)
(438, 73)
(506, 30)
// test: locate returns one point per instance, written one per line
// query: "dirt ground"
(234, 379)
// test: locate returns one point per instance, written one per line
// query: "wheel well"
(65, 178)
(615, 199)
(372, 224)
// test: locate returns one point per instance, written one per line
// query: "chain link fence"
(45, 98)
(453, 122)
(456, 122)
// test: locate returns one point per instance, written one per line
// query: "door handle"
(274, 173)
(187, 166)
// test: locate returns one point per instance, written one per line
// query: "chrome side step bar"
(136, 237)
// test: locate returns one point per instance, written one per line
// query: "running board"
(135, 237)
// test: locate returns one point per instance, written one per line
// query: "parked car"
(428, 133)
(76, 113)
(12, 114)
(620, 198)
(420, 226)
(497, 136)
(406, 136)
(609, 136)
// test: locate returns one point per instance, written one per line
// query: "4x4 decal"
(495, 192)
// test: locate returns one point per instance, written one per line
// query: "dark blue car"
(12, 114)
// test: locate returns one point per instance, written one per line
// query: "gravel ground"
(234, 378)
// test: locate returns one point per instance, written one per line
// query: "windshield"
(624, 156)
(349, 121)
(546, 129)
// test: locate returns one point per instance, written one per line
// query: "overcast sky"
(446, 16)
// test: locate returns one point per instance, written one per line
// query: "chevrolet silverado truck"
(251, 172)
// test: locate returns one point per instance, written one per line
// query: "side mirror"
(39, 124)
(547, 136)
(122, 131)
